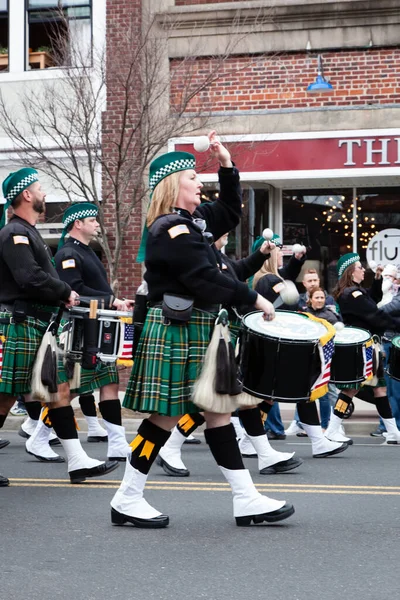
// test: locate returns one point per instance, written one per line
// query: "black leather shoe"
(341, 448)
(271, 517)
(118, 518)
(53, 459)
(192, 440)
(4, 482)
(171, 471)
(79, 475)
(4, 443)
(282, 467)
(55, 442)
(276, 436)
(97, 438)
(23, 434)
(377, 432)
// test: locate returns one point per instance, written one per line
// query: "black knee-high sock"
(189, 422)
(383, 407)
(63, 422)
(265, 406)
(252, 421)
(2, 420)
(111, 411)
(224, 447)
(33, 409)
(146, 445)
(88, 405)
(308, 413)
(341, 405)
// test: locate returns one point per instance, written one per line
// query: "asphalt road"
(343, 541)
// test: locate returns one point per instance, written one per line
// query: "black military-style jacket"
(359, 309)
(26, 268)
(179, 258)
(268, 285)
(81, 268)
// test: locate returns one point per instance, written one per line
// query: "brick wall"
(359, 78)
(121, 14)
(191, 2)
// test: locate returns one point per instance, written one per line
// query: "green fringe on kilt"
(167, 363)
(19, 344)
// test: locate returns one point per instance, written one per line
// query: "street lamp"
(321, 85)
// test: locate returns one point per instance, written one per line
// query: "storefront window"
(323, 221)
(3, 35)
(59, 33)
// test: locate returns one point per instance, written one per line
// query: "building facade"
(320, 169)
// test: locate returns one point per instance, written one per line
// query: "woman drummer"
(180, 260)
(267, 282)
(359, 309)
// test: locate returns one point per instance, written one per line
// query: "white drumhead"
(286, 325)
(352, 335)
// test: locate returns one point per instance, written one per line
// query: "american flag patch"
(20, 239)
(68, 264)
(178, 230)
(127, 344)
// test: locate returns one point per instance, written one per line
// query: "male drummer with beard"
(270, 461)
(30, 293)
(79, 266)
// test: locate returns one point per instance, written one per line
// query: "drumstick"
(93, 309)
(278, 302)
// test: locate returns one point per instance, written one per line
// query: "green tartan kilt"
(167, 363)
(91, 379)
(19, 343)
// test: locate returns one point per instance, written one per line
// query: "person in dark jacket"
(359, 308)
(31, 291)
(79, 266)
(269, 460)
(268, 282)
(180, 260)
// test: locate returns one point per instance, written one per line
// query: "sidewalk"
(362, 422)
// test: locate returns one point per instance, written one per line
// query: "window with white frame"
(3, 35)
(59, 33)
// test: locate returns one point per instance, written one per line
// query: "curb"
(363, 424)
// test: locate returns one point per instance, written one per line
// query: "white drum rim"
(268, 335)
(354, 343)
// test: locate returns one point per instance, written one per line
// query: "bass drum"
(349, 363)
(280, 358)
(393, 368)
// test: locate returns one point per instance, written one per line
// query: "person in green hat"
(186, 288)
(78, 265)
(31, 290)
(359, 309)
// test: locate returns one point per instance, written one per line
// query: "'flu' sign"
(384, 247)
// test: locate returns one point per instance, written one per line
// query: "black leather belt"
(31, 311)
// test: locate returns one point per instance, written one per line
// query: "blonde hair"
(164, 197)
(270, 267)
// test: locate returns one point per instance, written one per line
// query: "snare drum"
(352, 361)
(114, 335)
(393, 368)
(280, 359)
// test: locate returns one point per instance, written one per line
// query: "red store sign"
(307, 154)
